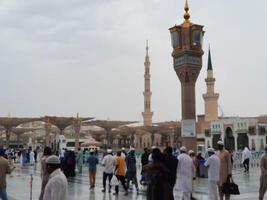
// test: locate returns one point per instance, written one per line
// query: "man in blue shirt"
(92, 161)
(131, 169)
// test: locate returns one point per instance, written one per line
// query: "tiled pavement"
(19, 187)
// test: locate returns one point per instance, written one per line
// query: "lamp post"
(187, 61)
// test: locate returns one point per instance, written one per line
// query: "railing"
(254, 161)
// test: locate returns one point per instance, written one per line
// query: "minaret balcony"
(147, 76)
(210, 79)
(147, 93)
(211, 96)
(147, 114)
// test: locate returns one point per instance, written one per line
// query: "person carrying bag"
(114, 181)
(229, 187)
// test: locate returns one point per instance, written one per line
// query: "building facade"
(237, 133)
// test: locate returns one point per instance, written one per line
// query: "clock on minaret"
(187, 54)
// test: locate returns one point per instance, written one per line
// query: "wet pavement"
(18, 186)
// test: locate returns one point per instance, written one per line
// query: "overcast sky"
(59, 57)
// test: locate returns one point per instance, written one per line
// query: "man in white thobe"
(109, 165)
(57, 185)
(213, 165)
(184, 174)
(62, 154)
(246, 156)
(32, 159)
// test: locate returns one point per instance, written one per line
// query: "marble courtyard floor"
(18, 187)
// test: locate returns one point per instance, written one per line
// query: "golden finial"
(186, 8)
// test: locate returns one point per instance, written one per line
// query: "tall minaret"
(210, 98)
(147, 114)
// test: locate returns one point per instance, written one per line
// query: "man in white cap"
(109, 165)
(184, 174)
(225, 168)
(213, 165)
(57, 185)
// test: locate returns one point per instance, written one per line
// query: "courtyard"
(18, 186)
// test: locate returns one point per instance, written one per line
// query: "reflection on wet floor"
(18, 187)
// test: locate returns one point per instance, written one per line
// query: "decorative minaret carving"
(147, 114)
(187, 60)
(210, 98)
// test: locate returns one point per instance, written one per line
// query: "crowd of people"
(162, 172)
(25, 156)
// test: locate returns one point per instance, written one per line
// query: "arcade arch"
(242, 141)
(229, 139)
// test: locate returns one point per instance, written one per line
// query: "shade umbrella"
(108, 126)
(91, 143)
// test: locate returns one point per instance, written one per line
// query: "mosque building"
(236, 132)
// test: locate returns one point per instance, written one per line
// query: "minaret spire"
(210, 97)
(147, 56)
(147, 114)
(209, 61)
(147, 47)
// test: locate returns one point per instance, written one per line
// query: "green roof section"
(209, 61)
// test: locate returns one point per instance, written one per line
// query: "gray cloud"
(62, 57)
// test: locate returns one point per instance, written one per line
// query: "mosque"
(236, 132)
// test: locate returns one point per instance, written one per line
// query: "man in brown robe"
(44, 173)
(263, 178)
(225, 168)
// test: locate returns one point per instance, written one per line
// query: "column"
(8, 133)
(48, 128)
(77, 128)
(235, 137)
